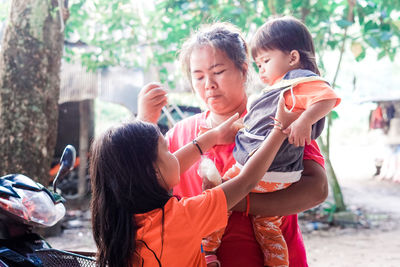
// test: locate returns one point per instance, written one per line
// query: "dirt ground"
(375, 242)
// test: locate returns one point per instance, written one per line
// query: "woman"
(215, 60)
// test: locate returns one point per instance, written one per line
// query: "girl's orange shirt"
(186, 222)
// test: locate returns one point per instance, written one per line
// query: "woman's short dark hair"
(223, 36)
(286, 34)
(124, 183)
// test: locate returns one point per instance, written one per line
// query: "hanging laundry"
(390, 111)
(376, 119)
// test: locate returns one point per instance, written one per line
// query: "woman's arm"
(309, 191)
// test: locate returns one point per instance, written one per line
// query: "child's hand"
(209, 174)
(151, 99)
(206, 184)
(227, 130)
(299, 133)
(284, 116)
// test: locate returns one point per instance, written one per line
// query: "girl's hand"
(151, 99)
(227, 130)
(206, 184)
(299, 133)
(209, 174)
(284, 116)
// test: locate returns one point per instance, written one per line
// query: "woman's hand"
(227, 130)
(284, 116)
(151, 99)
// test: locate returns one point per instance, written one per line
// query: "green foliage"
(333, 116)
(146, 33)
(108, 114)
(143, 33)
(4, 10)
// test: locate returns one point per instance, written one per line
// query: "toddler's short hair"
(286, 34)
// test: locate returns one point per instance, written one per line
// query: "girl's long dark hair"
(286, 34)
(124, 183)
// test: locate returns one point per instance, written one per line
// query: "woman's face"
(220, 84)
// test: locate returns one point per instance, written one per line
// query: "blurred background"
(110, 49)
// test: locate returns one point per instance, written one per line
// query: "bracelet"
(197, 145)
(276, 123)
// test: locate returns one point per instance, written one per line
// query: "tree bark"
(29, 88)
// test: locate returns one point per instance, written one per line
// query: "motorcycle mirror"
(68, 157)
(67, 162)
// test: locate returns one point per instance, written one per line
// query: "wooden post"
(85, 127)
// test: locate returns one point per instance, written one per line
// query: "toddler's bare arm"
(300, 130)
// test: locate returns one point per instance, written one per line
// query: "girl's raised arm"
(309, 191)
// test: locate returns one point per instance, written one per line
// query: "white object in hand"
(208, 170)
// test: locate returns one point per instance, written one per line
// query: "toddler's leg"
(212, 242)
(210, 245)
(271, 240)
(231, 173)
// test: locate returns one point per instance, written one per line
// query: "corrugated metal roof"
(121, 85)
(76, 83)
(114, 84)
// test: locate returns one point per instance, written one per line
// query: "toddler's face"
(273, 64)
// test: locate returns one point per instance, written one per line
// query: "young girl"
(284, 53)
(136, 221)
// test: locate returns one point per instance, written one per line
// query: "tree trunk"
(337, 192)
(29, 88)
(332, 179)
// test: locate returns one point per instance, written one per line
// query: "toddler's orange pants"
(266, 229)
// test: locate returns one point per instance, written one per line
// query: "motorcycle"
(25, 204)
